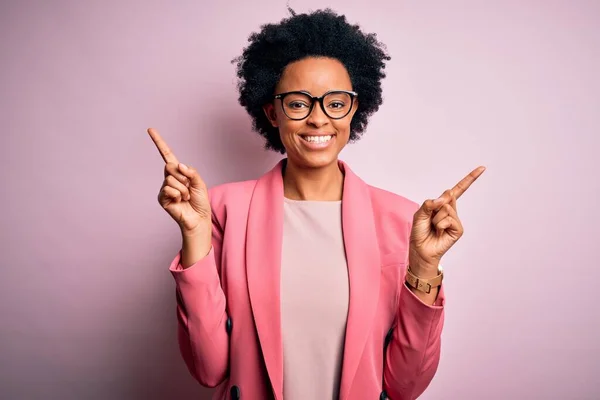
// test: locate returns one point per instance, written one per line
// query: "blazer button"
(229, 325)
(235, 393)
(388, 337)
(383, 396)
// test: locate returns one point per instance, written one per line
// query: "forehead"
(314, 75)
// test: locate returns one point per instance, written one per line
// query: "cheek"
(287, 132)
(343, 127)
(284, 124)
(287, 127)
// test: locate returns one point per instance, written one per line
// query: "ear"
(269, 110)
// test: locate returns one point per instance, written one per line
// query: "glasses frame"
(315, 99)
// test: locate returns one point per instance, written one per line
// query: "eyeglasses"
(336, 104)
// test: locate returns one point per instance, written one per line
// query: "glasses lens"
(337, 104)
(297, 105)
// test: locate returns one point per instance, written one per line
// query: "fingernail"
(182, 166)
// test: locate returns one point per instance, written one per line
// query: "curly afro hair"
(321, 33)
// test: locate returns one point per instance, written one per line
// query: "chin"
(320, 161)
(314, 159)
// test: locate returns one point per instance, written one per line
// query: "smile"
(317, 142)
(317, 139)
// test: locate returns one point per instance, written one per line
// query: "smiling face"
(315, 141)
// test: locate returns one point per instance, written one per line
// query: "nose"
(317, 117)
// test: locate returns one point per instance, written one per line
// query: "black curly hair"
(321, 33)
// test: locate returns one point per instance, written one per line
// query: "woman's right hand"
(183, 193)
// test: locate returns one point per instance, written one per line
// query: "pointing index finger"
(464, 184)
(162, 147)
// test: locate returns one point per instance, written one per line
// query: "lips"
(316, 134)
(317, 141)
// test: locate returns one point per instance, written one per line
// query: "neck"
(316, 184)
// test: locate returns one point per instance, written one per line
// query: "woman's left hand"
(436, 227)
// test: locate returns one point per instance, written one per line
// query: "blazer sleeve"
(413, 353)
(202, 315)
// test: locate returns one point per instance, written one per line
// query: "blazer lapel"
(263, 267)
(362, 255)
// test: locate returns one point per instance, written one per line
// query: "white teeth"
(318, 139)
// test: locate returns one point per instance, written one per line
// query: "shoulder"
(232, 191)
(387, 202)
(393, 217)
(230, 198)
(384, 203)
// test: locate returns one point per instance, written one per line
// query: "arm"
(427, 298)
(201, 308)
(413, 353)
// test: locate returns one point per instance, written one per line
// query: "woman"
(308, 283)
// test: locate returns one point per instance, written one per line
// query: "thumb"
(195, 181)
(427, 209)
(421, 227)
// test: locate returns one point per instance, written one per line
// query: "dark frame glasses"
(314, 99)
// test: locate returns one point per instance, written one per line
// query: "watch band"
(424, 285)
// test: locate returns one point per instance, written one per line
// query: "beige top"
(314, 299)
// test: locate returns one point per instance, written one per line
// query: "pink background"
(87, 304)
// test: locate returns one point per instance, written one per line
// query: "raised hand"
(183, 193)
(436, 227)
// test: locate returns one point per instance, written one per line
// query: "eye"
(336, 104)
(297, 105)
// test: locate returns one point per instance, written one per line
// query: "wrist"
(424, 282)
(196, 245)
(425, 271)
(202, 230)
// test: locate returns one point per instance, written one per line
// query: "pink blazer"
(228, 304)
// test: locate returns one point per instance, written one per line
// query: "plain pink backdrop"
(87, 304)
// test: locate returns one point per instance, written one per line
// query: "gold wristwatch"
(424, 285)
